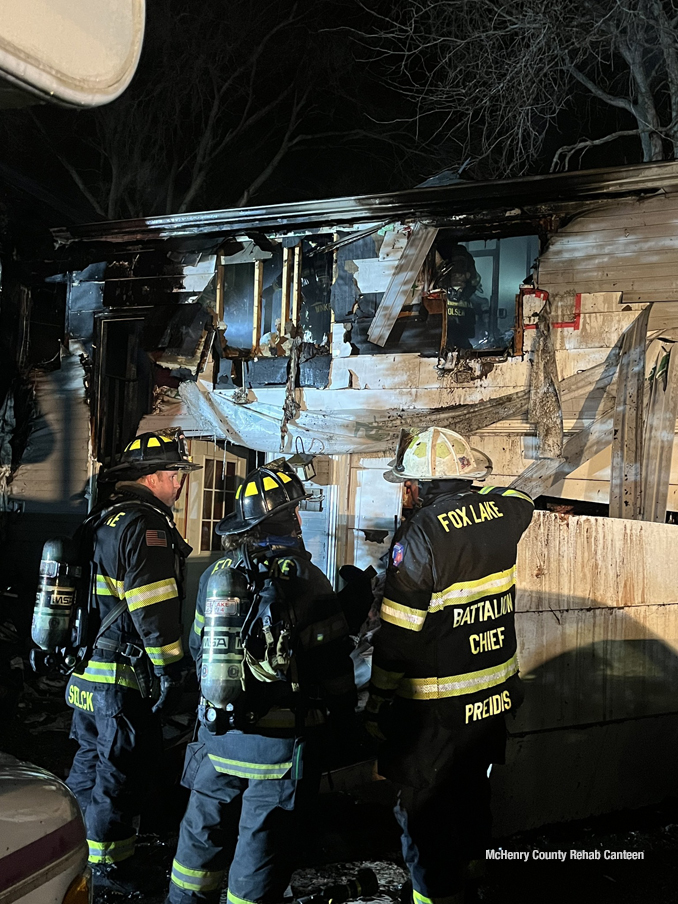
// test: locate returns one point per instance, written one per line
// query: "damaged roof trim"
(463, 199)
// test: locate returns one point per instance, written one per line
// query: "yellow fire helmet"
(436, 453)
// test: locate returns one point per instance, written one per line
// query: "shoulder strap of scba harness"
(85, 646)
(279, 656)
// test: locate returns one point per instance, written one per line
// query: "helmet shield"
(435, 453)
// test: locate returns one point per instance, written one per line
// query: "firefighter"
(445, 669)
(245, 768)
(137, 565)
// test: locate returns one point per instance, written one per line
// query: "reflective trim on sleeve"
(106, 586)
(198, 623)
(242, 769)
(470, 591)
(508, 492)
(109, 673)
(457, 685)
(384, 680)
(519, 495)
(111, 851)
(164, 655)
(402, 616)
(200, 880)
(148, 594)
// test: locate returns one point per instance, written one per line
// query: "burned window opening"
(463, 298)
(281, 293)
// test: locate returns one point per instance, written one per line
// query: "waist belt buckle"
(131, 651)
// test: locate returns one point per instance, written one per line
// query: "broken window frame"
(291, 292)
(202, 449)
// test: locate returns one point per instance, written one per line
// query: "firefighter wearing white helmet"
(437, 454)
(445, 669)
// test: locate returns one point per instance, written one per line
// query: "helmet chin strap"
(282, 524)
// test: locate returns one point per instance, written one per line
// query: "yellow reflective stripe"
(402, 616)
(447, 899)
(483, 492)
(457, 685)
(148, 594)
(242, 769)
(385, 681)
(234, 899)
(168, 653)
(196, 879)
(468, 591)
(198, 623)
(106, 586)
(109, 673)
(518, 494)
(111, 851)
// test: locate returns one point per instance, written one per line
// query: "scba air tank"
(227, 603)
(55, 601)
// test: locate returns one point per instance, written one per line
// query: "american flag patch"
(156, 538)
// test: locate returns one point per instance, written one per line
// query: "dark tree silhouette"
(223, 94)
(491, 78)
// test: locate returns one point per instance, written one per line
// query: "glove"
(171, 690)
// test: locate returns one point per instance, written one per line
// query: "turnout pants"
(443, 805)
(245, 790)
(120, 747)
(444, 828)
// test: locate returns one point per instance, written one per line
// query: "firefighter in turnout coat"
(256, 759)
(137, 564)
(445, 669)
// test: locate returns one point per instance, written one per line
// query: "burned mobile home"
(537, 316)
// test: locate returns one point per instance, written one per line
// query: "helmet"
(436, 454)
(153, 452)
(265, 492)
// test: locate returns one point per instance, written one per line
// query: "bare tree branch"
(489, 78)
(567, 151)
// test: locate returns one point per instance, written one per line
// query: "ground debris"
(390, 877)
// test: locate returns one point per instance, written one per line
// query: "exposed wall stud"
(256, 316)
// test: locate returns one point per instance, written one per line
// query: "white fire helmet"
(436, 454)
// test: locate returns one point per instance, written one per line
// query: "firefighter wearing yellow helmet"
(272, 650)
(445, 669)
(137, 558)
